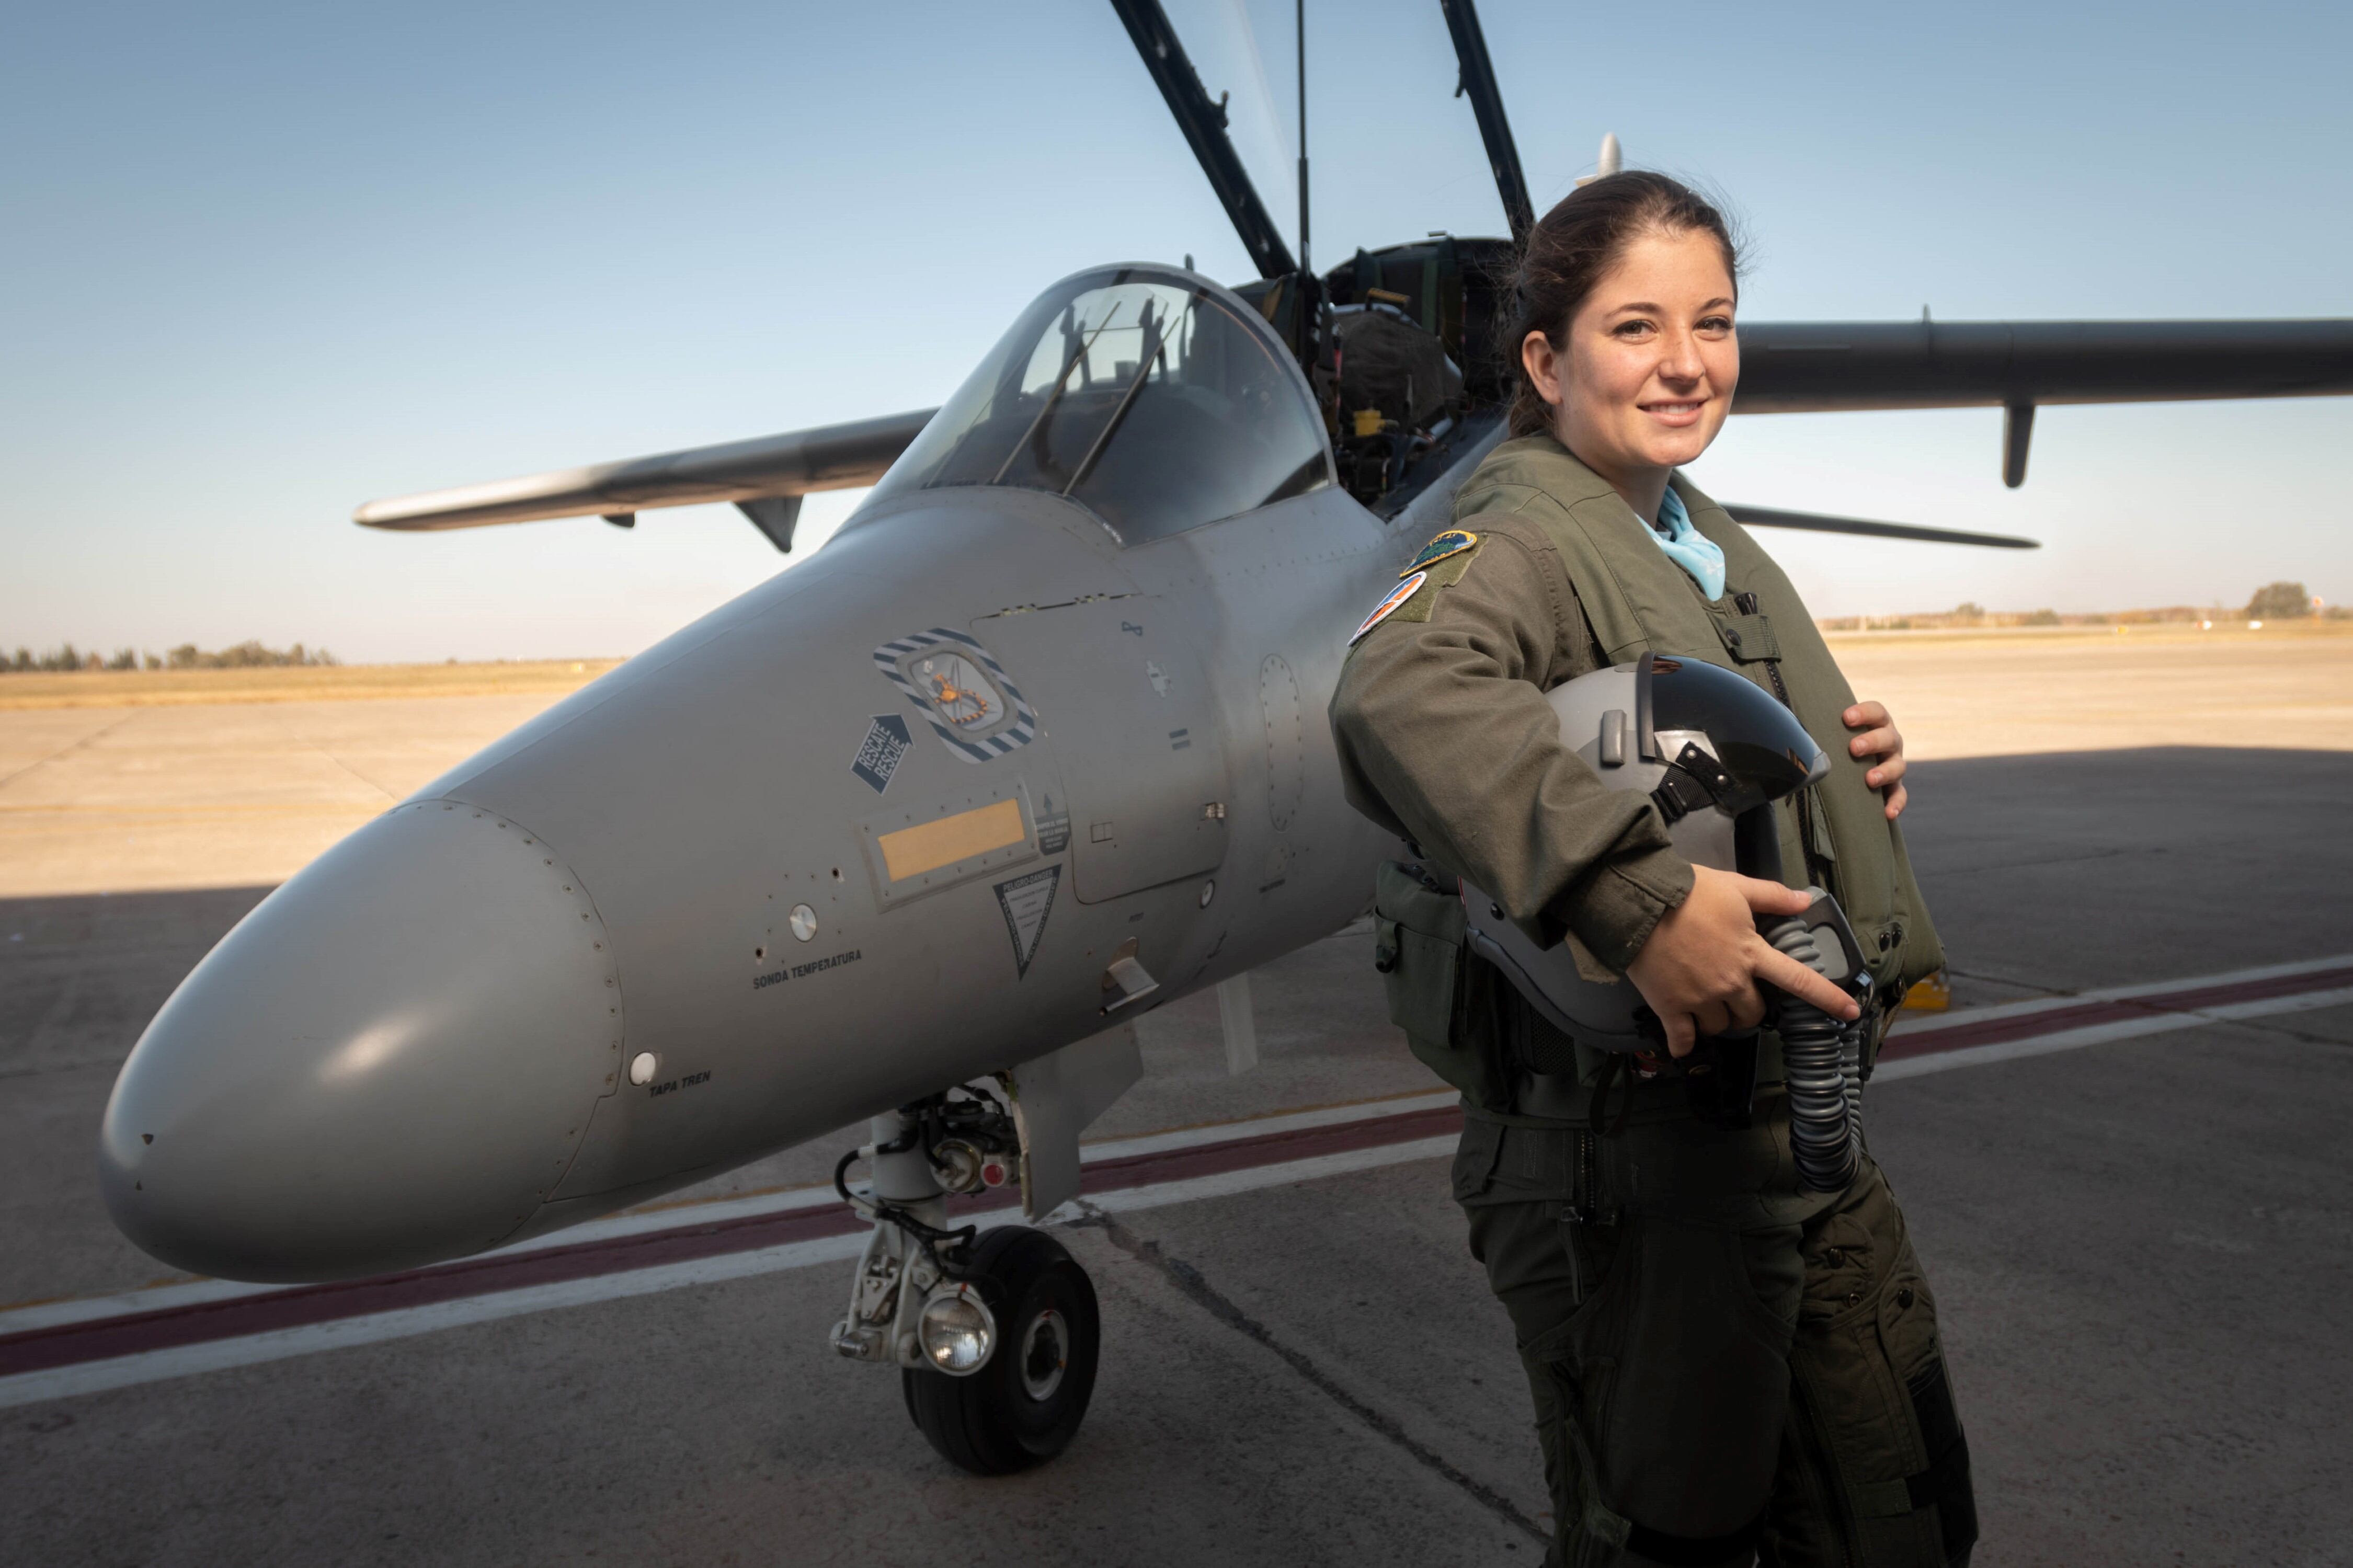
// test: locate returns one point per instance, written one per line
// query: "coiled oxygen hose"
(1822, 1060)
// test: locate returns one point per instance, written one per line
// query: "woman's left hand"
(1880, 740)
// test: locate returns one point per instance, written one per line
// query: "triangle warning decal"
(1027, 901)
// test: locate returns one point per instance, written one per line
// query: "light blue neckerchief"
(1690, 549)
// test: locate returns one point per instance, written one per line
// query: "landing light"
(958, 1330)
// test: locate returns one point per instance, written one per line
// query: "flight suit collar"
(1541, 462)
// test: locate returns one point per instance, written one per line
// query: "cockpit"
(1151, 398)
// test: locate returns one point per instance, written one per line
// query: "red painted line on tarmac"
(68, 1344)
(2056, 1020)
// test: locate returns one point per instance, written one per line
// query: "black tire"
(1026, 1405)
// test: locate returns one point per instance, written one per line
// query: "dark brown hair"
(1570, 249)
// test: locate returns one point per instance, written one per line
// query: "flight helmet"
(1713, 751)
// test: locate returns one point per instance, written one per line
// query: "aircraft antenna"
(1300, 10)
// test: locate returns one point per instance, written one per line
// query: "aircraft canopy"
(1155, 399)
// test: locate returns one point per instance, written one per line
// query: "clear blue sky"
(262, 263)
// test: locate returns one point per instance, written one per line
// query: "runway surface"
(2124, 1157)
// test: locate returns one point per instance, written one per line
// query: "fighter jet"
(911, 833)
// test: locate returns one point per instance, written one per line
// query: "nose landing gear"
(996, 1334)
(1027, 1400)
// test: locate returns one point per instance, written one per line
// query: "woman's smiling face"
(1647, 374)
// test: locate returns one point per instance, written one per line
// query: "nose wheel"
(1025, 1404)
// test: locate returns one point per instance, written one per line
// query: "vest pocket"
(1748, 638)
(1417, 948)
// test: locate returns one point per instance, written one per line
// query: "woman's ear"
(1542, 361)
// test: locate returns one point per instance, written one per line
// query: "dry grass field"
(239, 777)
(2002, 693)
(291, 683)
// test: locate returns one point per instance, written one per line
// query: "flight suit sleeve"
(1444, 736)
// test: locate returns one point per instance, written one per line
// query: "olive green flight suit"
(1723, 1364)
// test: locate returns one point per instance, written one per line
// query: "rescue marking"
(55, 1349)
(1453, 541)
(1022, 727)
(928, 845)
(880, 755)
(1027, 901)
(1388, 606)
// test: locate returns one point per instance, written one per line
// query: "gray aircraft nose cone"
(390, 1060)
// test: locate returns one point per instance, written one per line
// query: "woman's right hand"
(1700, 968)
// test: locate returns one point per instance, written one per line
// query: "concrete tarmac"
(2141, 1250)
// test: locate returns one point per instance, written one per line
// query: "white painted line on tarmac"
(176, 1294)
(181, 1360)
(1911, 1026)
(1226, 1184)
(2102, 1033)
(1267, 1126)
(148, 1298)
(279, 1345)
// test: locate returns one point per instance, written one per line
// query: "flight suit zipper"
(1582, 1212)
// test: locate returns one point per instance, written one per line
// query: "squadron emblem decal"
(1389, 606)
(1453, 541)
(962, 693)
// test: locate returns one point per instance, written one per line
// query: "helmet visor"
(1758, 741)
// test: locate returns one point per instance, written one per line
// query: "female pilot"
(1724, 1363)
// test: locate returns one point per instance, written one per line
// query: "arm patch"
(1414, 598)
(1445, 575)
(1389, 605)
(1453, 541)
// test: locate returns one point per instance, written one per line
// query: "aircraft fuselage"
(743, 889)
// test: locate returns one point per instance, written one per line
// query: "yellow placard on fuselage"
(927, 847)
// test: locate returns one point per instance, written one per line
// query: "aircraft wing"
(764, 477)
(1786, 368)
(1805, 367)
(1815, 523)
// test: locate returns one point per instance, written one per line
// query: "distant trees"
(2279, 601)
(65, 656)
(246, 655)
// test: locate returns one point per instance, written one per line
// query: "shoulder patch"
(1390, 604)
(1453, 541)
(1445, 575)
